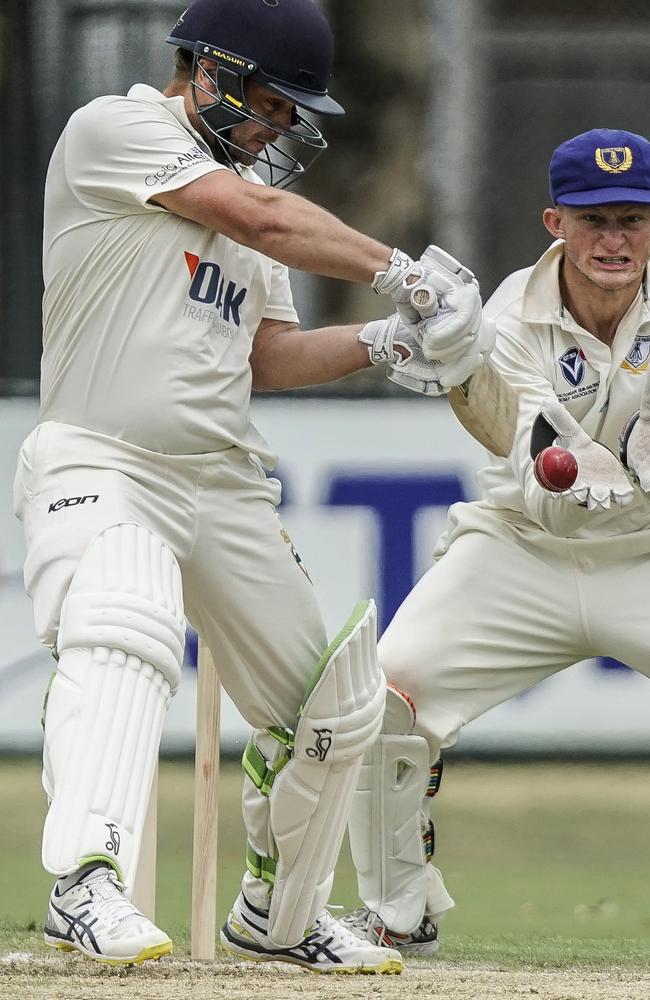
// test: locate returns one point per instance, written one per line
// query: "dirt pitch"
(31, 977)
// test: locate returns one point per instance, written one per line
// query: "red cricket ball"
(556, 469)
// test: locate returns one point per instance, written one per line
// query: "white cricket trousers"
(505, 605)
(244, 590)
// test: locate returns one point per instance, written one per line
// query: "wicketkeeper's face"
(607, 244)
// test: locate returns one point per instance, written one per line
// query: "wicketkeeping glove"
(635, 441)
(408, 366)
(601, 481)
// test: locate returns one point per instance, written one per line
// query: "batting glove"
(601, 482)
(392, 282)
(470, 354)
(447, 285)
(635, 441)
(449, 292)
(397, 344)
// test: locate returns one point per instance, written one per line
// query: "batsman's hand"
(437, 282)
(393, 282)
(601, 482)
(634, 441)
(397, 344)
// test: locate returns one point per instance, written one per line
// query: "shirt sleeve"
(121, 151)
(279, 304)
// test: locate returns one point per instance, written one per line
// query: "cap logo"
(614, 159)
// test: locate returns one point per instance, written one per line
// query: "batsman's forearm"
(305, 236)
(297, 358)
(279, 224)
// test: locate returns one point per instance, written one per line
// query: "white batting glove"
(601, 482)
(439, 274)
(449, 292)
(392, 282)
(397, 344)
(635, 441)
(470, 355)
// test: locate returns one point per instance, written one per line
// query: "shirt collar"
(175, 105)
(542, 302)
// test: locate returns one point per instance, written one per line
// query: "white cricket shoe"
(369, 926)
(326, 947)
(88, 912)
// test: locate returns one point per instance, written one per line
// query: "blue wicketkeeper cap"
(601, 166)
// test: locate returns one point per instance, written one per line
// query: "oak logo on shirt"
(211, 289)
(572, 365)
(636, 360)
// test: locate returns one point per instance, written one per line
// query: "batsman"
(144, 491)
(525, 581)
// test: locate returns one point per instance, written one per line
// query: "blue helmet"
(285, 45)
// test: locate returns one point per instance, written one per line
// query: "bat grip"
(425, 301)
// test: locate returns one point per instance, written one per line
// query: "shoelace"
(364, 919)
(327, 924)
(104, 885)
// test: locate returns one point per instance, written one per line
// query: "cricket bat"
(485, 404)
(206, 800)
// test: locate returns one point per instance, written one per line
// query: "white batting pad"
(385, 830)
(120, 650)
(310, 798)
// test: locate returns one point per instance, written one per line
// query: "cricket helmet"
(284, 45)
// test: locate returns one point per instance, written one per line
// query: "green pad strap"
(359, 611)
(260, 866)
(261, 773)
(283, 736)
(111, 862)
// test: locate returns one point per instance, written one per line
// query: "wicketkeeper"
(143, 490)
(525, 582)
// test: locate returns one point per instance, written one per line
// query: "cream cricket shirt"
(148, 318)
(542, 351)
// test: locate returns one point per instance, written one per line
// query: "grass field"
(548, 864)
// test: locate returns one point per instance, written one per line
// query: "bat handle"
(425, 301)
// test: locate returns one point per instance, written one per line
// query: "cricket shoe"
(326, 947)
(88, 912)
(369, 926)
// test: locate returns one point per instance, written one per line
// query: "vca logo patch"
(572, 365)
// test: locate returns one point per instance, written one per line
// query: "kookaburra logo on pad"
(322, 745)
(113, 842)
